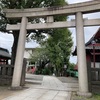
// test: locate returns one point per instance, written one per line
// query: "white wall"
(27, 53)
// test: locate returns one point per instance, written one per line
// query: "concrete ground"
(41, 88)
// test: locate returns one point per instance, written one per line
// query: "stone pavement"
(49, 89)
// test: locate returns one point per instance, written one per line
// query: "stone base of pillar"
(16, 88)
(85, 94)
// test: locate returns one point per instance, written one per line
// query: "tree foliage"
(59, 48)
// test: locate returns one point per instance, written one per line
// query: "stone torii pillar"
(81, 55)
(19, 55)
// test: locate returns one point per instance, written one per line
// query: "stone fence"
(6, 73)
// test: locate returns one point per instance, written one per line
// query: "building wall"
(27, 53)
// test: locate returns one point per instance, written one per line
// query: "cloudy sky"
(7, 39)
(77, 1)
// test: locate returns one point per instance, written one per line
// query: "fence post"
(23, 72)
(89, 76)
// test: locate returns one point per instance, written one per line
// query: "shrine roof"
(4, 53)
(89, 45)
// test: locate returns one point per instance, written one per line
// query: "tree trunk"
(58, 72)
(14, 47)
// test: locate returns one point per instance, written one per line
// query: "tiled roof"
(89, 45)
(4, 53)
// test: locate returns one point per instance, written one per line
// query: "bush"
(46, 71)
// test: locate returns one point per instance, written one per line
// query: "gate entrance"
(74, 9)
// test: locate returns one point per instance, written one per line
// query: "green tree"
(71, 65)
(59, 43)
(56, 48)
(59, 48)
(40, 59)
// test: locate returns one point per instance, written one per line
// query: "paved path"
(54, 84)
(50, 89)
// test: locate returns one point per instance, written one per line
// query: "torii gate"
(72, 9)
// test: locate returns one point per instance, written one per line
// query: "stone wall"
(6, 72)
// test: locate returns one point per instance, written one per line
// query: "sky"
(76, 1)
(7, 39)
